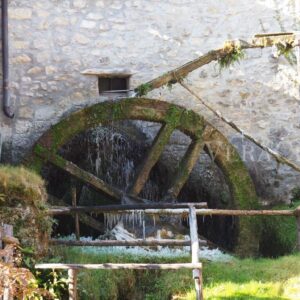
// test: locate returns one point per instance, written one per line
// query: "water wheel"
(171, 117)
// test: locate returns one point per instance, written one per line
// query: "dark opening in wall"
(113, 84)
(111, 81)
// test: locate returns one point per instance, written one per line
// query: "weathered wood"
(76, 217)
(6, 294)
(72, 284)
(112, 266)
(83, 218)
(7, 231)
(179, 211)
(197, 275)
(177, 74)
(137, 242)
(77, 172)
(194, 235)
(219, 212)
(237, 212)
(59, 210)
(175, 211)
(153, 155)
(278, 157)
(185, 168)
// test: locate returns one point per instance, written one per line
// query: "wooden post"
(197, 273)
(72, 277)
(6, 295)
(297, 215)
(76, 217)
(6, 230)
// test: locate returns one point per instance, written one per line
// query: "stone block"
(88, 24)
(20, 13)
(21, 59)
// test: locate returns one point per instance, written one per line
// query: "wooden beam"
(76, 217)
(59, 210)
(185, 168)
(77, 172)
(72, 284)
(112, 266)
(177, 74)
(153, 156)
(179, 211)
(5, 230)
(113, 243)
(175, 211)
(197, 275)
(83, 218)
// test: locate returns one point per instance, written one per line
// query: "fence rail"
(129, 266)
(137, 242)
(191, 210)
(67, 210)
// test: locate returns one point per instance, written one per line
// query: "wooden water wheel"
(171, 117)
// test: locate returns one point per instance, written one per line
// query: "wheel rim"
(172, 117)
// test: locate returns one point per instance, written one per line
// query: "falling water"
(110, 156)
(113, 157)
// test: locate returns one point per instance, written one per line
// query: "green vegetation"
(232, 54)
(279, 234)
(237, 279)
(286, 49)
(143, 89)
(23, 204)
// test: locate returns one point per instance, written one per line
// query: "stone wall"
(52, 41)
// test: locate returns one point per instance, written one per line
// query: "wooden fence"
(73, 269)
(190, 210)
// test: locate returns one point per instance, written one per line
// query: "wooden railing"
(170, 208)
(190, 210)
(163, 209)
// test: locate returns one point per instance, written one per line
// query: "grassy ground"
(237, 279)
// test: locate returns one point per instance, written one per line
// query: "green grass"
(239, 279)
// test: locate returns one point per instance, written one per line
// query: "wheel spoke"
(77, 172)
(184, 168)
(153, 156)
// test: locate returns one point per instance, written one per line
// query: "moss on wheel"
(187, 121)
(279, 234)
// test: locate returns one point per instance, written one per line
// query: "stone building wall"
(52, 41)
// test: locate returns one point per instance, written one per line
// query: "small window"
(116, 84)
(111, 80)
